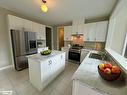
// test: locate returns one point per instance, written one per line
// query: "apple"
(107, 71)
(108, 65)
(101, 66)
(115, 69)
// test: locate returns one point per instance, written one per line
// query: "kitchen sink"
(95, 56)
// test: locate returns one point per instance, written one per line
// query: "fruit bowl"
(110, 76)
(46, 52)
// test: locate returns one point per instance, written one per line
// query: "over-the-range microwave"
(125, 48)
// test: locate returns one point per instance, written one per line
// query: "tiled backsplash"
(89, 45)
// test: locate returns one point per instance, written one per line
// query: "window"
(125, 48)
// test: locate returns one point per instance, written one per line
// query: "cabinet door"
(83, 89)
(46, 72)
(43, 32)
(74, 29)
(67, 33)
(83, 55)
(55, 66)
(102, 28)
(15, 22)
(90, 31)
(85, 32)
(61, 60)
(80, 29)
(35, 27)
(28, 25)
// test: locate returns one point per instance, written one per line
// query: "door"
(61, 37)
(49, 37)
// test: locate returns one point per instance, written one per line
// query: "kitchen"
(77, 42)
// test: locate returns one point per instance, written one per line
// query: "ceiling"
(61, 11)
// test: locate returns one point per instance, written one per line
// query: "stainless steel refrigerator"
(23, 44)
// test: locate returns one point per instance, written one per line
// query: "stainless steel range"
(75, 53)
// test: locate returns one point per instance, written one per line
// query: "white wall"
(117, 27)
(4, 43)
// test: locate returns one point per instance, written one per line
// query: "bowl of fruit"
(46, 52)
(109, 72)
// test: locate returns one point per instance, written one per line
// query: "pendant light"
(44, 7)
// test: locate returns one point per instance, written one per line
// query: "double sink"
(98, 56)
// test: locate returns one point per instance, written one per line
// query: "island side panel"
(35, 74)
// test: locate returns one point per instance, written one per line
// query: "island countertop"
(87, 73)
(39, 57)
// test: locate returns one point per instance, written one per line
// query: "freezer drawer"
(21, 62)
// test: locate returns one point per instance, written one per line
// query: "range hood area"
(77, 39)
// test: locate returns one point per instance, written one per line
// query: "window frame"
(125, 46)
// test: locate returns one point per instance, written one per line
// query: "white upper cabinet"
(67, 33)
(40, 30)
(101, 32)
(15, 22)
(74, 29)
(35, 27)
(77, 29)
(95, 31)
(80, 29)
(19, 24)
(90, 32)
(27, 25)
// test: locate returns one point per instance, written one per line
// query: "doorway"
(61, 37)
(49, 37)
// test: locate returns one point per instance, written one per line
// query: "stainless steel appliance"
(75, 53)
(23, 44)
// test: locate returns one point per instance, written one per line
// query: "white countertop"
(88, 73)
(39, 57)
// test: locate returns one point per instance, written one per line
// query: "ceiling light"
(44, 7)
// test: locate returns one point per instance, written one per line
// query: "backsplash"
(89, 45)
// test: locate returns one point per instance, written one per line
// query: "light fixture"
(44, 7)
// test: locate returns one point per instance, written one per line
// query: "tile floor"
(18, 82)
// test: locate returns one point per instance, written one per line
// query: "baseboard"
(6, 67)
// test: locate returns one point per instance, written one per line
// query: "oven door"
(74, 56)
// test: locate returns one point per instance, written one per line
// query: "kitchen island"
(87, 81)
(44, 68)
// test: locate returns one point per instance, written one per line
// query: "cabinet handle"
(61, 56)
(50, 62)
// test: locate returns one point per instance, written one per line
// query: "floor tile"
(18, 82)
